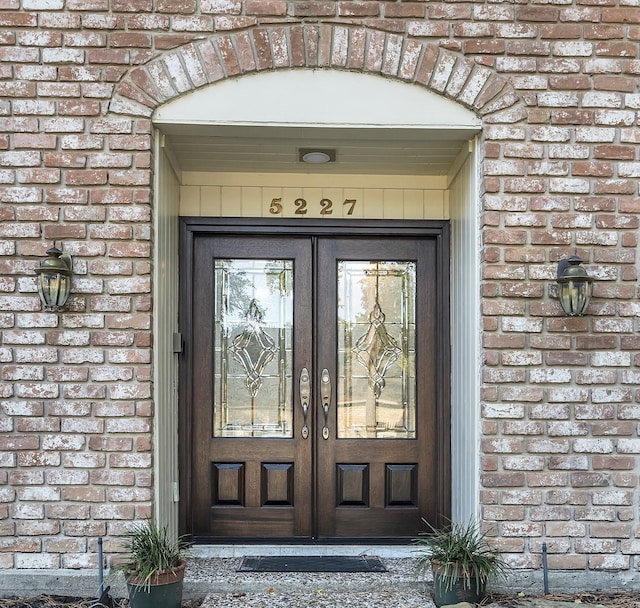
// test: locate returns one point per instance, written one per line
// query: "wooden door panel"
(401, 485)
(227, 484)
(372, 486)
(276, 484)
(247, 485)
(352, 485)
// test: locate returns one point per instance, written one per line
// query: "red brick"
(613, 83)
(267, 7)
(317, 8)
(176, 6)
(620, 15)
(405, 9)
(25, 442)
(537, 13)
(604, 32)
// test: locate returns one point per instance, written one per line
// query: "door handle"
(325, 384)
(305, 393)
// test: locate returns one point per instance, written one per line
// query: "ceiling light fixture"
(316, 156)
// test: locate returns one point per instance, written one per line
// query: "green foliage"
(150, 552)
(460, 551)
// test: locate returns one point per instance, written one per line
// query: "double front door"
(317, 407)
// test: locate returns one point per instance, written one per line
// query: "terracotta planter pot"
(164, 590)
(462, 589)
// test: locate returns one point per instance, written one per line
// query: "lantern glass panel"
(54, 289)
(574, 296)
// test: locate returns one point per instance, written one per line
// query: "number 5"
(275, 208)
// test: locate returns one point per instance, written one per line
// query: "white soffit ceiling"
(258, 123)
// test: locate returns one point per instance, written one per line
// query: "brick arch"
(327, 46)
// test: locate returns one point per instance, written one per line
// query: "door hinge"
(177, 342)
(176, 492)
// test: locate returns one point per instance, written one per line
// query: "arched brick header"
(229, 55)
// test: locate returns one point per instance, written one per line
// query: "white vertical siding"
(165, 324)
(250, 195)
(465, 338)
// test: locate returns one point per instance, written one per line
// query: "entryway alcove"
(232, 150)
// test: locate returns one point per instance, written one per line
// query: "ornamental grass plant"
(151, 553)
(460, 553)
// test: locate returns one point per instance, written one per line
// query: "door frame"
(193, 227)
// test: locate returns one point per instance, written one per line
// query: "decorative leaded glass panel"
(376, 349)
(253, 345)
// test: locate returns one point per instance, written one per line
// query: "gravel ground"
(223, 576)
(375, 598)
(218, 582)
(267, 599)
(320, 599)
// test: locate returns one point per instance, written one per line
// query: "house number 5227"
(301, 206)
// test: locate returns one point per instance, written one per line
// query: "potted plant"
(154, 567)
(461, 561)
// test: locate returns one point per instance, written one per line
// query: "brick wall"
(557, 88)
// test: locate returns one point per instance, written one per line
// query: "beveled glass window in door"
(253, 348)
(376, 349)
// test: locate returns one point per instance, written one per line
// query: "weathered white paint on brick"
(496, 410)
(524, 463)
(518, 324)
(611, 359)
(611, 395)
(550, 446)
(550, 375)
(521, 358)
(595, 446)
(37, 561)
(629, 446)
(567, 429)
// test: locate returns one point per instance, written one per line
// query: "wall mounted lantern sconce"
(574, 286)
(54, 279)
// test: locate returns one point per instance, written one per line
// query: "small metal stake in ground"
(545, 571)
(100, 568)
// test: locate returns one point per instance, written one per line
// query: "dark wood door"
(252, 466)
(317, 399)
(377, 344)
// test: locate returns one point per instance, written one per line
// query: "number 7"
(352, 202)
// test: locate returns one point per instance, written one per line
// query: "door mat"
(312, 563)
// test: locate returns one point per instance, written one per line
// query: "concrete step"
(214, 569)
(212, 574)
